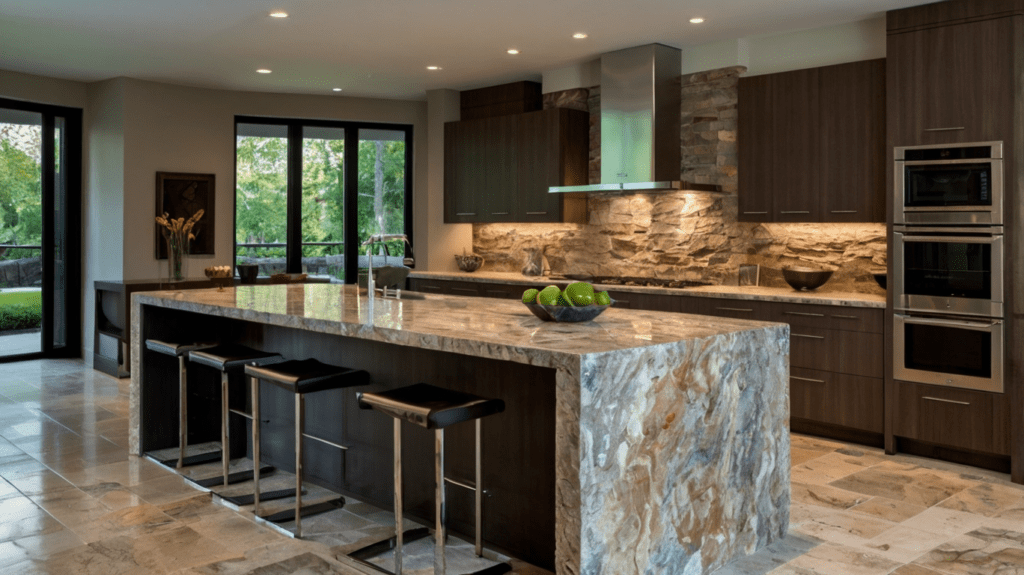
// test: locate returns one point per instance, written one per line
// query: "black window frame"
(74, 141)
(293, 250)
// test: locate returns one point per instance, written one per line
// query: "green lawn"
(21, 297)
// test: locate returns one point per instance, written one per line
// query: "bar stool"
(181, 351)
(432, 408)
(229, 359)
(299, 377)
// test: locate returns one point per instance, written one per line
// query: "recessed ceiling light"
(263, 71)
(697, 20)
(579, 35)
(513, 51)
(433, 67)
(278, 14)
(336, 89)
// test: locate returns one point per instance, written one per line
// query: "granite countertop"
(760, 293)
(501, 329)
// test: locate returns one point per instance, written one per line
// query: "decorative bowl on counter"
(218, 272)
(247, 273)
(801, 278)
(880, 278)
(565, 313)
(469, 263)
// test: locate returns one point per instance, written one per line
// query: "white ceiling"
(376, 48)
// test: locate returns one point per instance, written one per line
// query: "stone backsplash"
(687, 235)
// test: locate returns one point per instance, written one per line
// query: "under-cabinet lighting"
(433, 67)
(697, 20)
(278, 14)
(579, 35)
(263, 71)
(513, 51)
(336, 89)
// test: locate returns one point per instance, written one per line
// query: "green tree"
(20, 198)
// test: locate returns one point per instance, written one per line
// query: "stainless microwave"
(948, 184)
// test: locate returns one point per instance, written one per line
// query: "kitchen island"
(641, 442)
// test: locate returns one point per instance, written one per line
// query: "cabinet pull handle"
(844, 211)
(498, 292)
(467, 290)
(466, 214)
(431, 288)
(803, 313)
(794, 212)
(943, 129)
(845, 317)
(807, 379)
(536, 213)
(734, 309)
(807, 336)
(946, 400)
(755, 213)
(499, 213)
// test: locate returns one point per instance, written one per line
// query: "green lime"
(548, 295)
(602, 298)
(530, 296)
(563, 300)
(580, 293)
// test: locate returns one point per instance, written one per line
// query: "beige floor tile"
(130, 472)
(832, 466)
(988, 499)
(843, 528)
(40, 482)
(830, 559)
(888, 509)
(71, 506)
(826, 496)
(235, 532)
(132, 521)
(980, 552)
(903, 544)
(912, 569)
(945, 522)
(798, 455)
(165, 490)
(915, 485)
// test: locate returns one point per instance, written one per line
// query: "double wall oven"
(948, 265)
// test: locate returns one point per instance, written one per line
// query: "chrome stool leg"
(256, 444)
(439, 506)
(398, 496)
(300, 424)
(182, 410)
(225, 447)
(477, 495)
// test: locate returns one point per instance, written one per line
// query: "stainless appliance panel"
(973, 192)
(976, 292)
(949, 352)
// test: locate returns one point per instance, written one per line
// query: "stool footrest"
(192, 459)
(289, 514)
(236, 477)
(493, 570)
(380, 547)
(250, 498)
(244, 414)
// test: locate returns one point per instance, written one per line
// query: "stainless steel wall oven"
(949, 184)
(951, 352)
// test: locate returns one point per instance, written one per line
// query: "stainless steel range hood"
(640, 98)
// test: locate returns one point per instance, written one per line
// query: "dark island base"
(518, 445)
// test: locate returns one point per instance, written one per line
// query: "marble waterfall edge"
(682, 465)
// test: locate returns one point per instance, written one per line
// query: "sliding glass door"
(309, 193)
(40, 257)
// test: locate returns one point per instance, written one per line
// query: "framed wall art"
(181, 196)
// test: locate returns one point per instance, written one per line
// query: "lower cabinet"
(961, 418)
(837, 399)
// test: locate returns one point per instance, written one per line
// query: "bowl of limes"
(578, 302)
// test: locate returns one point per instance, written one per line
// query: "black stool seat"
(230, 357)
(174, 349)
(308, 375)
(430, 406)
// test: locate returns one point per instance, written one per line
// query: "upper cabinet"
(951, 77)
(812, 145)
(499, 169)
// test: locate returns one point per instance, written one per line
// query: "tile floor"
(73, 501)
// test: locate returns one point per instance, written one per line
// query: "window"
(309, 193)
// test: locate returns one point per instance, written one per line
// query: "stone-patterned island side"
(671, 430)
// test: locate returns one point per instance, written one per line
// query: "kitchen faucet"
(376, 239)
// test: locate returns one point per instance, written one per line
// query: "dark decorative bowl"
(247, 273)
(566, 313)
(469, 263)
(805, 278)
(880, 279)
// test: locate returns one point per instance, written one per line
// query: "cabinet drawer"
(467, 290)
(736, 308)
(829, 317)
(960, 418)
(501, 291)
(837, 399)
(848, 352)
(427, 286)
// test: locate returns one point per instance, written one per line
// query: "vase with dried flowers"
(178, 234)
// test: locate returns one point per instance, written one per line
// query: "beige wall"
(42, 90)
(443, 240)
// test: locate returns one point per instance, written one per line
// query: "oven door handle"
(949, 162)
(971, 325)
(952, 239)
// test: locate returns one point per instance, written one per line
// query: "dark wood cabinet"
(499, 169)
(811, 145)
(852, 112)
(952, 83)
(754, 141)
(972, 420)
(838, 399)
(796, 147)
